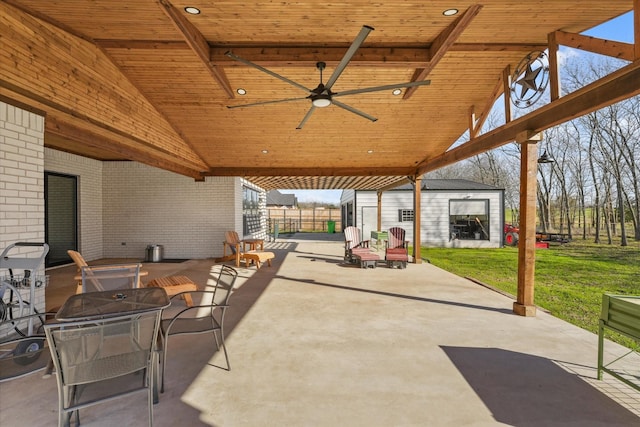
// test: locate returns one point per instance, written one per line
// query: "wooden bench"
(257, 257)
(174, 285)
(367, 259)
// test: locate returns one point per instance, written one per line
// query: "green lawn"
(569, 279)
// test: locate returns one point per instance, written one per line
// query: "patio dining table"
(91, 305)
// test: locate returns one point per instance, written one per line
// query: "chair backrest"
(92, 351)
(232, 240)
(223, 286)
(352, 237)
(396, 238)
(78, 259)
(110, 277)
(231, 237)
(81, 349)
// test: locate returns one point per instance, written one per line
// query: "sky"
(618, 29)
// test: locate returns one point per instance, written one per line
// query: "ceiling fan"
(322, 95)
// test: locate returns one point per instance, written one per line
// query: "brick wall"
(21, 184)
(135, 204)
(143, 205)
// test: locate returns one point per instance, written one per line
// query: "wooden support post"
(554, 73)
(506, 85)
(417, 192)
(524, 305)
(636, 29)
(379, 224)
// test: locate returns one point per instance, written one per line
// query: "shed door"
(369, 220)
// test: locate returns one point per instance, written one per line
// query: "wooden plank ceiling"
(146, 81)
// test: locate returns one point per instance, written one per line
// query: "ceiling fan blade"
(306, 117)
(266, 102)
(264, 70)
(380, 88)
(353, 110)
(364, 32)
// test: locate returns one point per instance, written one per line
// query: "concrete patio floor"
(314, 341)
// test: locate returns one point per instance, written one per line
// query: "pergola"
(150, 82)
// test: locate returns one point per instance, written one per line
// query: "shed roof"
(450, 185)
(276, 198)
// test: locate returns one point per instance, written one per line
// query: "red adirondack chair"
(397, 248)
(353, 243)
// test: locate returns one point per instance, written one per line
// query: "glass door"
(61, 216)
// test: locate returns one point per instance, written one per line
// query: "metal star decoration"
(528, 81)
(532, 77)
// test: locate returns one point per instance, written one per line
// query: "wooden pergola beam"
(358, 171)
(78, 130)
(611, 48)
(479, 119)
(387, 57)
(442, 44)
(197, 43)
(617, 86)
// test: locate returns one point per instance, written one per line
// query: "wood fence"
(306, 220)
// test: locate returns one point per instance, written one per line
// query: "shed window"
(469, 219)
(405, 215)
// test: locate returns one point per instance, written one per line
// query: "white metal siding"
(434, 221)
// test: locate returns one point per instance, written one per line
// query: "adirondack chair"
(233, 242)
(397, 248)
(239, 251)
(353, 243)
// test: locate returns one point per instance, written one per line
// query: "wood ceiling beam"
(84, 136)
(198, 43)
(271, 56)
(83, 128)
(442, 44)
(479, 120)
(283, 172)
(611, 48)
(407, 57)
(617, 86)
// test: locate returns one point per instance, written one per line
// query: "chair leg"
(163, 361)
(221, 344)
(154, 375)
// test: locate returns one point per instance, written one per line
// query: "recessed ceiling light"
(265, 151)
(192, 10)
(450, 12)
(241, 91)
(396, 92)
(369, 151)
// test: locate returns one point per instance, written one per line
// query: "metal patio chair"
(87, 354)
(206, 315)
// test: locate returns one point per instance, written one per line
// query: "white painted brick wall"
(21, 187)
(143, 205)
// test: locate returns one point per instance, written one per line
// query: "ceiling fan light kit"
(322, 96)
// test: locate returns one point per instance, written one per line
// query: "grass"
(569, 279)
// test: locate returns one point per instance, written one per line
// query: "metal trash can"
(154, 253)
